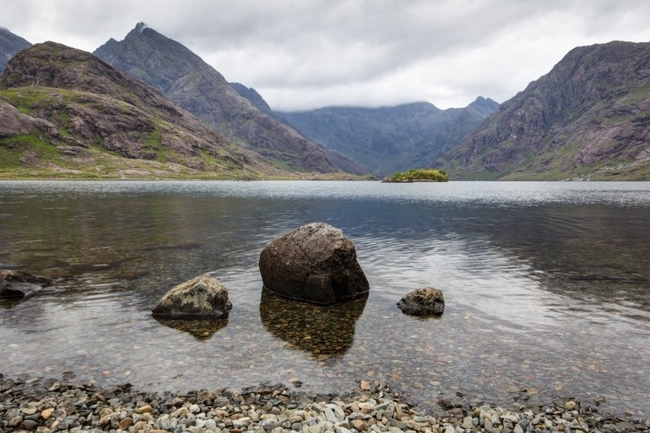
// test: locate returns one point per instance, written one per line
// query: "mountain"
(64, 112)
(588, 118)
(391, 139)
(197, 87)
(10, 44)
(253, 97)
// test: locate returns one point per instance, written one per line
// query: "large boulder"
(314, 263)
(423, 302)
(18, 284)
(201, 298)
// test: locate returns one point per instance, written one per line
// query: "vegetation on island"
(419, 175)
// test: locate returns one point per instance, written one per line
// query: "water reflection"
(535, 275)
(9, 303)
(320, 330)
(594, 252)
(200, 329)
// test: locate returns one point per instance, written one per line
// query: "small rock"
(15, 421)
(139, 425)
(144, 409)
(29, 424)
(203, 297)
(18, 284)
(126, 423)
(359, 425)
(211, 425)
(30, 410)
(423, 302)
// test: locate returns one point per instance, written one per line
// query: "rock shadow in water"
(318, 329)
(200, 329)
(9, 303)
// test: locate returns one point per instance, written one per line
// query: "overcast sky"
(301, 54)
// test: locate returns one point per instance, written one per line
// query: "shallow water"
(547, 287)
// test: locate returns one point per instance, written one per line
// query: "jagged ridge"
(196, 86)
(391, 139)
(588, 118)
(10, 44)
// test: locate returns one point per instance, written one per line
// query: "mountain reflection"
(594, 251)
(321, 330)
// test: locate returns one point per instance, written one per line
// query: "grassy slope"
(66, 155)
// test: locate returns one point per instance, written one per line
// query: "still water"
(547, 287)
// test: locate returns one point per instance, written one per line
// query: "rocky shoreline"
(49, 405)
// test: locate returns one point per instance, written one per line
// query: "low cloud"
(312, 53)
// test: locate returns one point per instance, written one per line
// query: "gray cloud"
(310, 53)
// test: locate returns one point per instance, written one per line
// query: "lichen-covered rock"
(18, 284)
(203, 297)
(314, 263)
(423, 302)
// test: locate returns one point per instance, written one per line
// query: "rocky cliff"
(197, 87)
(10, 44)
(588, 118)
(253, 97)
(65, 112)
(391, 139)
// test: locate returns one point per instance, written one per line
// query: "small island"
(418, 175)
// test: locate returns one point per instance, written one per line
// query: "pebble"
(80, 408)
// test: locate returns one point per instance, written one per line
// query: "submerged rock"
(201, 329)
(318, 329)
(18, 284)
(314, 263)
(203, 297)
(423, 302)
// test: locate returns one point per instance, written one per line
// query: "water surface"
(547, 287)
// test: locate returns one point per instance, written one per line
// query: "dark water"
(547, 287)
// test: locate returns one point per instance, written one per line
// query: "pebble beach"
(49, 405)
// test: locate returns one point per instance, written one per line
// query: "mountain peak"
(197, 87)
(586, 119)
(50, 64)
(82, 107)
(140, 27)
(483, 107)
(166, 60)
(10, 44)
